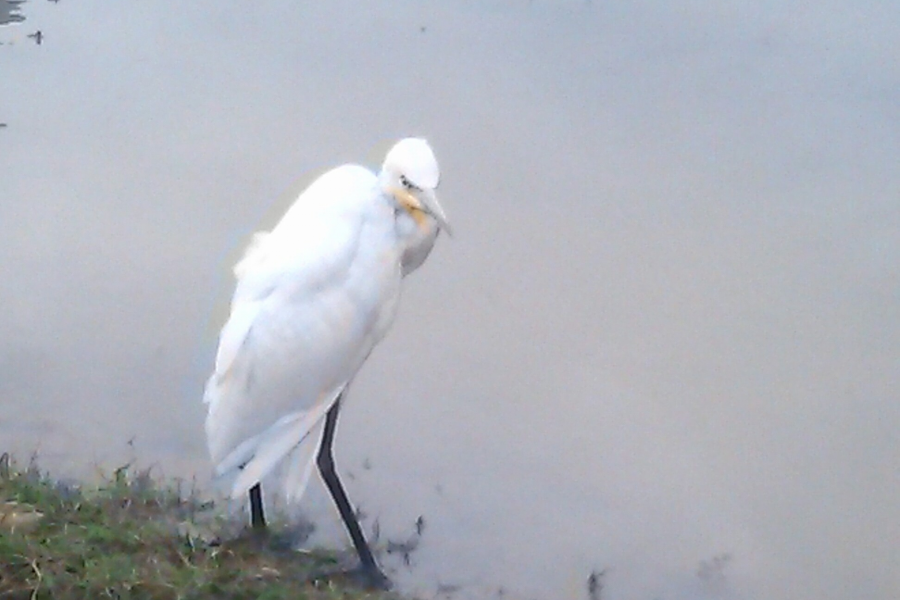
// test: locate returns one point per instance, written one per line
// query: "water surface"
(664, 341)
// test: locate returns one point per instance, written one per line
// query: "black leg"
(325, 460)
(257, 516)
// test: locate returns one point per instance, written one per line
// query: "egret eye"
(407, 183)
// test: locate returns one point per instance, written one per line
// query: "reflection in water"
(661, 350)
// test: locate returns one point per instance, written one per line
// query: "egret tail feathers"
(301, 462)
(274, 444)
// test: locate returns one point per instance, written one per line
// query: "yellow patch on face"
(412, 205)
(419, 217)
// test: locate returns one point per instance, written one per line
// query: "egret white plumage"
(313, 298)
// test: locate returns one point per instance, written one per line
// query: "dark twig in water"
(405, 549)
(713, 570)
(408, 546)
(376, 531)
(595, 584)
(447, 589)
(33, 472)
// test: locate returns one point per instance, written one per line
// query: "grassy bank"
(134, 538)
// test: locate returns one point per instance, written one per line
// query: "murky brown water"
(666, 331)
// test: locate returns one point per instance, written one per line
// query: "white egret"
(313, 298)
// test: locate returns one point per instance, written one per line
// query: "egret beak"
(431, 206)
(424, 201)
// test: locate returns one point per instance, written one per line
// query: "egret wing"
(309, 306)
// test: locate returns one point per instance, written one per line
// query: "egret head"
(410, 174)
